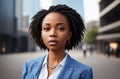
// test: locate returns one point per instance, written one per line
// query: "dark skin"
(55, 33)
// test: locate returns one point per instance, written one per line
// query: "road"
(103, 67)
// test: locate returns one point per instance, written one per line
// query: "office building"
(13, 39)
(30, 8)
(109, 38)
(8, 25)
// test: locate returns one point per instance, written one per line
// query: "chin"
(54, 49)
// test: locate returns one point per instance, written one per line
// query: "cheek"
(64, 37)
(63, 40)
(44, 37)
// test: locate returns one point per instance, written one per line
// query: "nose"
(53, 33)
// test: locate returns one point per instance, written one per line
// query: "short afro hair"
(74, 20)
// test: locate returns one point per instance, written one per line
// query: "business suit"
(71, 70)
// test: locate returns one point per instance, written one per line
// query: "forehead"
(55, 17)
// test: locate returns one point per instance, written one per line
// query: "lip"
(52, 42)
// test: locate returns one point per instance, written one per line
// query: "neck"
(56, 56)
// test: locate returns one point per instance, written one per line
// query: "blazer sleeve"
(31, 68)
(87, 74)
(24, 72)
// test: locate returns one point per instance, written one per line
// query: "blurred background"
(102, 37)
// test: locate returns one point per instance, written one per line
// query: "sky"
(91, 9)
(44, 4)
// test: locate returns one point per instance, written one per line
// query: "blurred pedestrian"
(57, 29)
(84, 49)
(109, 50)
(91, 49)
(118, 51)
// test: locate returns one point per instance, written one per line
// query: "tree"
(90, 35)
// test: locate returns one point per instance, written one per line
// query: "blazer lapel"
(67, 69)
(38, 67)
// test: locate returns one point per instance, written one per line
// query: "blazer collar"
(65, 72)
(67, 69)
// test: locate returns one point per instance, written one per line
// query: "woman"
(57, 29)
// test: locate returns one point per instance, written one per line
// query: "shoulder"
(78, 64)
(82, 70)
(34, 61)
(32, 64)
(31, 67)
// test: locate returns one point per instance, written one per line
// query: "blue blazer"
(71, 70)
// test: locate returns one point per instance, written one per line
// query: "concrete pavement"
(103, 67)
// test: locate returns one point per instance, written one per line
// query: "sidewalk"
(104, 67)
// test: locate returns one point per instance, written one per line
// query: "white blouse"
(44, 72)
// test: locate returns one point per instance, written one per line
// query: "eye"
(46, 28)
(61, 28)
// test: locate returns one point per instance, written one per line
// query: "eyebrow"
(59, 24)
(47, 24)
(56, 24)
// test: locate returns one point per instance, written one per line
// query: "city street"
(103, 67)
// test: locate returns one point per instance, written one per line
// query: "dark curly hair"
(74, 20)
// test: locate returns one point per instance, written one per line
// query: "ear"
(69, 35)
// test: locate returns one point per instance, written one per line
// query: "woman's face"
(55, 31)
